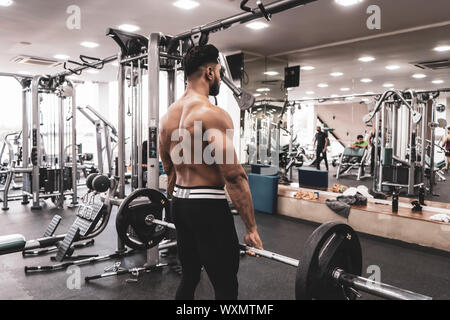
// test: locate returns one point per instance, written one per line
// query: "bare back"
(185, 114)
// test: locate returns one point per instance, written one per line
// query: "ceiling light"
(392, 67)
(24, 73)
(186, 4)
(61, 57)
(257, 25)
(309, 92)
(322, 85)
(347, 3)
(263, 90)
(334, 96)
(129, 28)
(366, 59)
(89, 44)
(350, 98)
(419, 76)
(115, 64)
(366, 80)
(92, 71)
(442, 48)
(345, 89)
(369, 92)
(256, 95)
(336, 74)
(438, 81)
(388, 85)
(307, 68)
(290, 89)
(306, 98)
(336, 102)
(6, 3)
(271, 73)
(365, 99)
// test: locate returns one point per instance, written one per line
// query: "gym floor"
(415, 268)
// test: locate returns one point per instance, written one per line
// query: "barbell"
(329, 268)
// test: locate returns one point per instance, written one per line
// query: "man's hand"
(252, 240)
(325, 150)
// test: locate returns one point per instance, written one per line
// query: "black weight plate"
(130, 221)
(101, 183)
(89, 180)
(333, 245)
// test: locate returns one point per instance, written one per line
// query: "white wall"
(10, 105)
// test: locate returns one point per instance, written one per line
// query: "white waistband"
(199, 193)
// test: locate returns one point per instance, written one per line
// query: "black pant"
(372, 160)
(206, 236)
(320, 154)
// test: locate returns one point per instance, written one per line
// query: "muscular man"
(321, 144)
(206, 233)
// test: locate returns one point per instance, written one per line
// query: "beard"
(215, 89)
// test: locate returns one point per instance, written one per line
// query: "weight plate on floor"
(331, 246)
(133, 224)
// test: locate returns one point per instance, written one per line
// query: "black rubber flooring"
(422, 270)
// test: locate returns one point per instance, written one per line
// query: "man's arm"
(169, 169)
(236, 179)
(326, 145)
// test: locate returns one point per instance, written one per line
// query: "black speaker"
(291, 77)
(236, 64)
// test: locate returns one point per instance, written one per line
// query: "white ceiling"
(43, 23)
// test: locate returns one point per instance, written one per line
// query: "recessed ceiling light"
(6, 3)
(347, 3)
(345, 89)
(306, 98)
(419, 76)
(61, 57)
(290, 89)
(369, 92)
(438, 81)
(256, 95)
(442, 48)
(129, 28)
(263, 90)
(271, 73)
(366, 59)
(350, 98)
(336, 102)
(388, 85)
(392, 67)
(334, 96)
(24, 73)
(309, 92)
(322, 85)
(89, 44)
(366, 80)
(92, 71)
(186, 4)
(336, 74)
(257, 25)
(307, 68)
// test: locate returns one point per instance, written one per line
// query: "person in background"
(446, 145)
(360, 143)
(320, 144)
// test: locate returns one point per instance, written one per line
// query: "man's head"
(360, 139)
(202, 62)
(319, 129)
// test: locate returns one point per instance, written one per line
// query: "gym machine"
(404, 121)
(110, 136)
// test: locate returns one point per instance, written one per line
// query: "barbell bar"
(339, 276)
